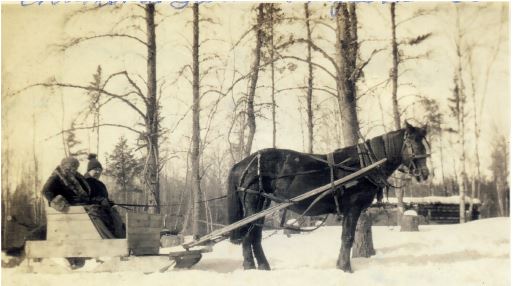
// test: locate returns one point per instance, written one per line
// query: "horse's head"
(414, 152)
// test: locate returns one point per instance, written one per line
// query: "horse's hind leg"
(263, 264)
(348, 232)
(247, 253)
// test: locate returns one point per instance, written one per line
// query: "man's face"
(95, 173)
(70, 167)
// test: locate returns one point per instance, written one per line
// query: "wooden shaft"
(281, 206)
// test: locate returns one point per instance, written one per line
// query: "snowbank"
(475, 253)
(431, 200)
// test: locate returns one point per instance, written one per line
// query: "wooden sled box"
(72, 234)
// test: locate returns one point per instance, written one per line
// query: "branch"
(417, 14)
(88, 88)
(306, 87)
(96, 126)
(314, 64)
(358, 71)
(314, 46)
(243, 36)
(316, 21)
(125, 73)
(76, 41)
(417, 57)
(374, 87)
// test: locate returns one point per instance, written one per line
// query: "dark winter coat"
(98, 189)
(107, 220)
(55, 186)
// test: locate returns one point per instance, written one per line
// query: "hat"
(69, 163)
(93, 162)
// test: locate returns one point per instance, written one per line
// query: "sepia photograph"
(255, 143)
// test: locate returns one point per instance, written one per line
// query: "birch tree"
(398, 58)
(255, 69)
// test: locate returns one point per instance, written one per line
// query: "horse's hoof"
(346, 267)
(248, 266)
(264, 267)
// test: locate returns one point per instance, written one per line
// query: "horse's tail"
(235, 208)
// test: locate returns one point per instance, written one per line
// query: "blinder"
(411, 168)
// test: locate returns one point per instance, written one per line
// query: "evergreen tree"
(72, 143)
(123, 166)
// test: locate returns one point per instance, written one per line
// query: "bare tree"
(272, 16)
(398, 58)
(475, 80)
(195, 152)
(500, 171)
(434, 117)
(458, 101)
(347, 69)
(255, 68)
(348, 72)
(309, 91)
(149, 114)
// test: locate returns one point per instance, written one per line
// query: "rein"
(366, 156)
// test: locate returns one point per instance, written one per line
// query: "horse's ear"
(408, 126)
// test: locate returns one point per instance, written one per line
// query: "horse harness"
(366, 157)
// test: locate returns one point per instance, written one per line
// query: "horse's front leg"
(348, 232)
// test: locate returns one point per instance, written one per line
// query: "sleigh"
(72, 234)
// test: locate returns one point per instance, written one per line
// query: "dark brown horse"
(278, 174)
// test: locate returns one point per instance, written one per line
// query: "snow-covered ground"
(431, 200)
(475, 253)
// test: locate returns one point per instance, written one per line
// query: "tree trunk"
(195, 156)
(442, 166)
(250, 111)
(97, 115)
(6, 190)
(152, 117)
(395, 70)
(500, 186)
(309, 91)
(394, 74)
(347, 47)
(346, 57)
(37, 202)
(461, 137)
(363, 245)
(477, 175)
(63, 136)
(273, 96)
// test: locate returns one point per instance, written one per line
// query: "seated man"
(67, 187)
(106, 218)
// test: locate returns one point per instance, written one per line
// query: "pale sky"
(28, 57)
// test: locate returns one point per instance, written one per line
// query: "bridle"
(411, 167)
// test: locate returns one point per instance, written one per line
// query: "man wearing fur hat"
(66, 186)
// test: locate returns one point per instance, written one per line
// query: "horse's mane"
(387, 145)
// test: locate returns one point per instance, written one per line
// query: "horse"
(280, 174)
